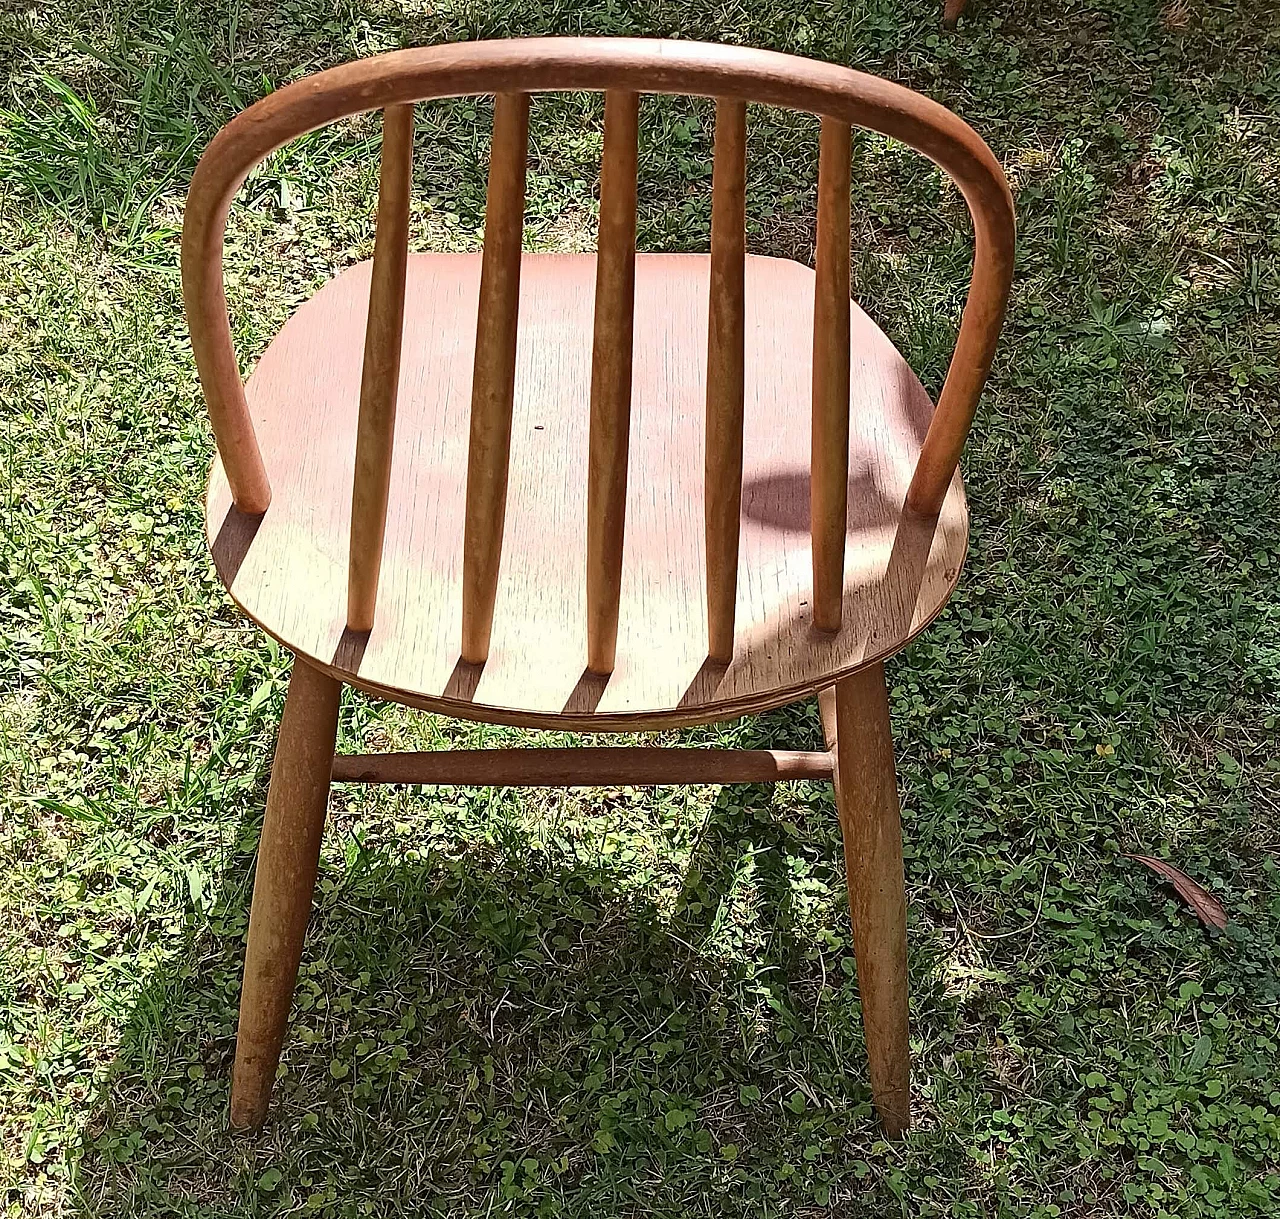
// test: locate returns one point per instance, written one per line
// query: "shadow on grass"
(502, 1020)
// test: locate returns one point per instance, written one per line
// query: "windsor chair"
(423, 489)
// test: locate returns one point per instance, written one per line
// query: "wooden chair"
(523, 489)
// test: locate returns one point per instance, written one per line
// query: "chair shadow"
(781, 499)
(500, 960)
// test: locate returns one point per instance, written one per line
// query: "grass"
(640, 1002)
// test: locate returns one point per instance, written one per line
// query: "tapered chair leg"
(867, 800)
(288, 854)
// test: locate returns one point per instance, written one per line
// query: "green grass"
(640, 1002)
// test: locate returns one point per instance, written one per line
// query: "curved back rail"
(622, 69)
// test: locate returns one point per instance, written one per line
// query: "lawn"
(641, 1002)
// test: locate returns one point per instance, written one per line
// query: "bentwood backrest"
(622, 68)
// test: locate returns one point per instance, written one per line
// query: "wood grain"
(827, 715)
(493, 372)
(756, 569)
(290, 575)
(611, 359)
(726, 331)
(830, 418)
(380, 379)
(630, 64)
(288, 854)
(867, 801)
(619, 766)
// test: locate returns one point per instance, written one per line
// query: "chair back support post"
(726, 382)
(829, 463)
(204, 301)
(611, 351)
(970, 364)
(622, 68)
(494, 376)
(380, 378)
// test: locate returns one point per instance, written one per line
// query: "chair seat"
(288, 569)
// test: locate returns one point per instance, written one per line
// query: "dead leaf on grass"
(1208, 908)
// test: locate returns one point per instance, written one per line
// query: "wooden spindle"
(725, 379)
(611, 377)
(494, 378)
(574, 766)
(829, 462)
(380, 379)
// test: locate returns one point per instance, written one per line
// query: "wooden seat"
(612, 492)
(304, 396)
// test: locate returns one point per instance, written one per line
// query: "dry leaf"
(1208, 908)
(1176, 16)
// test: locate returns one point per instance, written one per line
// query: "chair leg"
(288, 855)
(867, 801)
